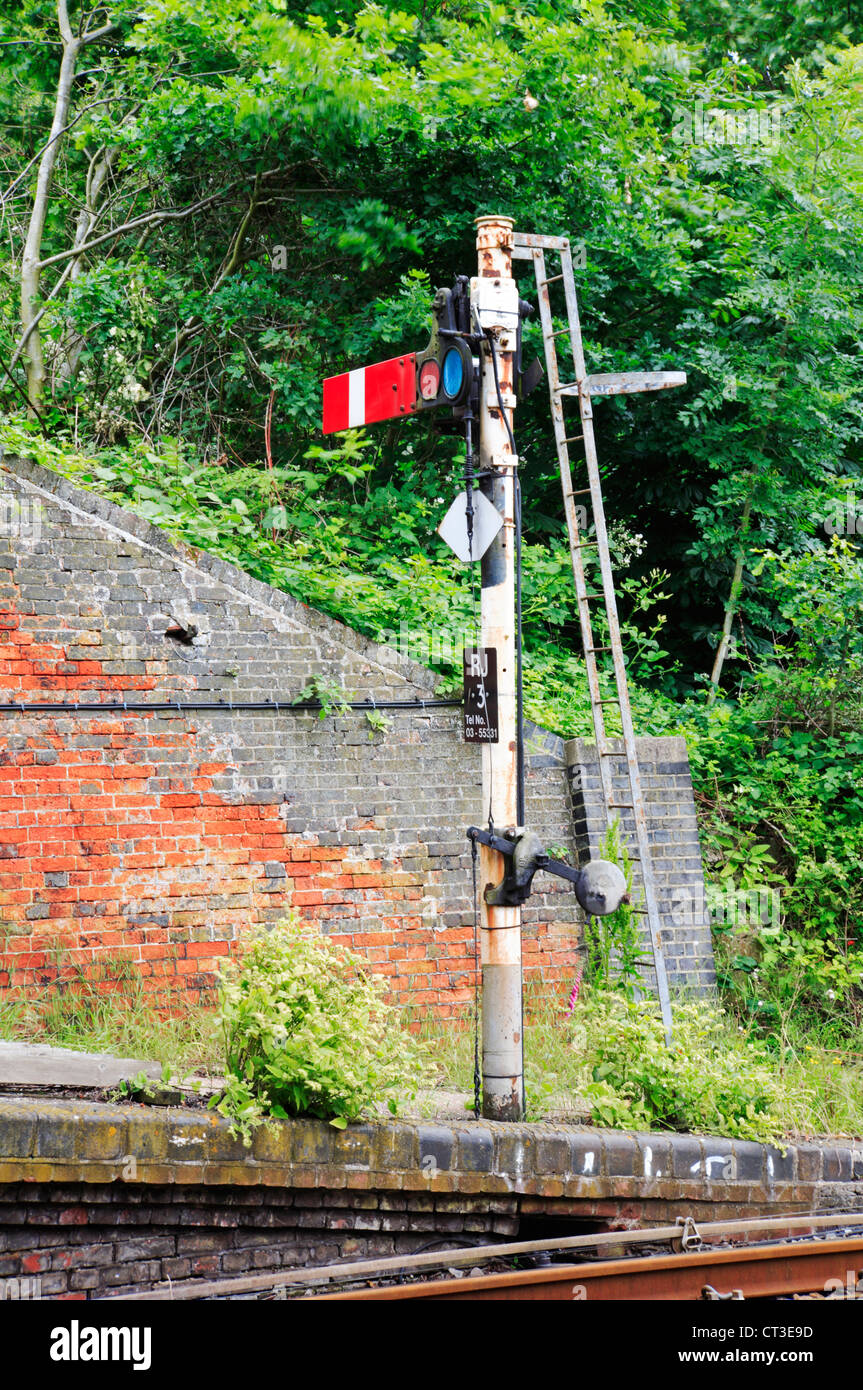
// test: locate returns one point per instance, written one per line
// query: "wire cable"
(519, 681)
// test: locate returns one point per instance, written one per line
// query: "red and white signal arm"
(382, 391)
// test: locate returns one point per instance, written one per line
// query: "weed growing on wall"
(307, 1031)
(614, 951)
(329, 693)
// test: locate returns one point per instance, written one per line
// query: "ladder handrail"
(531, 247)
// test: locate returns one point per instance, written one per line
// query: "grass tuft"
(103, 1007)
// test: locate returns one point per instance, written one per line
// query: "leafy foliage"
(814, 1085)
(329, 693)
(336, 157)
(814, 677)
(783, 813)
(307, 1032)
(703, 1083)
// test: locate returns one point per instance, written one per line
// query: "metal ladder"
(530, 247)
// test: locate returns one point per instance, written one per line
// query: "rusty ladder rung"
(573, 439)
(578, 492)
(613, 700)
(602, 649)
(559, 334)
(585, 545)
(550, 281)
(621, 805)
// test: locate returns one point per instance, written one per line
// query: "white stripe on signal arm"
(357, 397)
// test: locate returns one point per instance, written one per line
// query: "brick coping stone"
(48, 1141)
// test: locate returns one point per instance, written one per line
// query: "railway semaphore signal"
(472, 366)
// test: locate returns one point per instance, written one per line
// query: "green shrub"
(711, 1080)
(781, 808)
(307, 1032)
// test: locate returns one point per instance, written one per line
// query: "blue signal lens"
(452, 375)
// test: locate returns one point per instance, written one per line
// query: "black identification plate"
(480, 695)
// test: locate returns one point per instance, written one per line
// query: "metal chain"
(476, 969)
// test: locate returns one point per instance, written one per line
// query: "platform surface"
(36, 1064)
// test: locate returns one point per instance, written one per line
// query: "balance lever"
(600, 886)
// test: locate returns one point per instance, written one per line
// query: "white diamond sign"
(487, 521)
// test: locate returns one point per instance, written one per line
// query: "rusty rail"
(763, 1271)
(401, 1266)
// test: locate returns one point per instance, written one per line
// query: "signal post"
(494, 300)
(470, 365)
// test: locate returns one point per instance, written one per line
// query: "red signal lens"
(429, 379)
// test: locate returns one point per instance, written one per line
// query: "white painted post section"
(494, 297)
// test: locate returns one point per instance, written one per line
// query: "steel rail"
(393, 1266)
(752, 1272)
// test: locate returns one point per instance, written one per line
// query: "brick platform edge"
(98, 1199)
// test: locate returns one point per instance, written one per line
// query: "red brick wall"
(93, 861)
(161, 839)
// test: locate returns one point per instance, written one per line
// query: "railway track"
(755, 1258)
(779, 1270)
